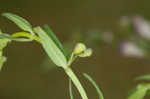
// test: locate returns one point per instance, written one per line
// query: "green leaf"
(48, 30)
(139, 92)
(132, 91)
(19, 21)
(70, 90)
(95, 85)
(51, 48)
(4, 36)
(148, 92)
(144, 77)
(3, 43)
(2, 60)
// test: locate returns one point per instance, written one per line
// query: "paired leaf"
(95, 85)
(51, 48)
(82, 51)
(19, 21)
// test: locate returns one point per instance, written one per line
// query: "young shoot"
(52, 46)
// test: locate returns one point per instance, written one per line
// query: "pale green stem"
(31, 36)
(27, 35)
(76, 82)
(70, 89)
(70, 60)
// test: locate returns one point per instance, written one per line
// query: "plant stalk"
(76, 82)
(27, 35)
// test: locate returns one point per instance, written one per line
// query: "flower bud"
(86, 53)
(79, 48)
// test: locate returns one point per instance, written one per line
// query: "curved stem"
(76, 82)
(95, 85)
(27, 35)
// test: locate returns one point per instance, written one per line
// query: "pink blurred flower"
(142, 26)
(130, 49)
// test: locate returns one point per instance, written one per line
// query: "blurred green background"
(27, 76)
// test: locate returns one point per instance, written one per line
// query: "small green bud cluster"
(81, 50)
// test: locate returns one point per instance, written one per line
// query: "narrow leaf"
(2, 61)
(95, 85)
(5, 36)
(3, 43)
(19, 21)
(48, 30)
(51, 48)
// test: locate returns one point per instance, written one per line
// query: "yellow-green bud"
(86, 53)
(79, 48)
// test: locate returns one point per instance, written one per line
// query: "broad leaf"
(51, 48)
(19, 21)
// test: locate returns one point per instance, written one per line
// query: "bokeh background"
(28, 73)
